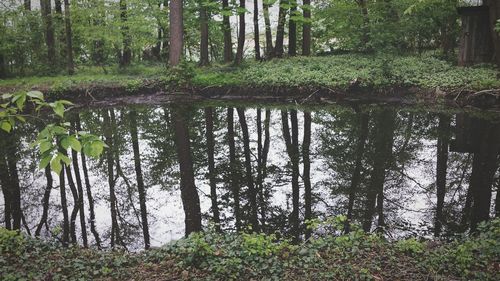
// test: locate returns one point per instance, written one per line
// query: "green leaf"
(45, 145)
(65, 143)
(64, 158)
(45, 162)
(20, 101)
(35, 95)
(55, 165)
(58, 109)
(6, 126)
(75, 143)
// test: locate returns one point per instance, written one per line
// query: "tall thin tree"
(176, 32)
(241, 34)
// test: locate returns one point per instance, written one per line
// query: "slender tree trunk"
(80, 203)
(88, 188)
(256, 28)
(306, 175)
(3, 66)
(64, 206)
(14, 186)
(494, 8)
(140, 181)
(189, 193)
(45, 201)
(366, 23)
(384, 138)
(292, 148)
(226, 28)
(235, 188)
(265, 152)
(69, 38)
(126, 55)
(280, 31)
(364, 119)
(166, 37)
(254, 221)
(159, 36)
(241, 35)
(74, 212)
(176, 32)
(269, 35)
(292, 30)
(108, 135)
(4, 182)
(204, 59)
(306, 28)
(46, 10)
(441, 170)
(209, 123)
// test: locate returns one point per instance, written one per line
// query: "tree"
(226, 28)
(241, 34)
(306, 174)
(292, 30)
(280, 31)
(204, 59)
(69, 38)
(235, 188)
(126, 54)
(189, 193)
(256, 29)
(441, 171)
(45, 6)
(176, 32)
(209, 134)
(306, 28)
(140, 181)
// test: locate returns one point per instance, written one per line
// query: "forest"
(249, 140)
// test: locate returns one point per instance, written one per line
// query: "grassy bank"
(338, 72)
(212, 256)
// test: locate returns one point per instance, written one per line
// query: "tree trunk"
(108, 136)
(269, 34)
(126, 55)
(241, 36)
(364, 119)
(69, 40)
(441, 170)
(4, 182)
(306, 175)
(74, 212)
(235, 188)
(140, 181)
(45, 201)
(484, 167)
(366, 23)
(280, 31)
(189, 193)
(494, 9)
(209, 123)
(88, 188)
(176, 32)
(46, 10)
(384, 138)
(256, 28)
(204, 59)
(226, 28)
(254, 221)
(27, 5)
(64, 206)
(292, 30)
(80, 203)
(306, 28)
(13, 182)
(292, 149)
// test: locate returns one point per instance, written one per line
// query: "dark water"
(403, 172)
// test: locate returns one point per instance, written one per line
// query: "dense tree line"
(42, 37)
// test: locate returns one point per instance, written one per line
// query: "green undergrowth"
(215, 256)
(333, 72)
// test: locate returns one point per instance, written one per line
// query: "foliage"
(56, 138)
(251, 256)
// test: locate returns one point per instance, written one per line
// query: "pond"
(401, 171)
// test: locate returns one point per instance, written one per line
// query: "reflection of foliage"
(55, 139)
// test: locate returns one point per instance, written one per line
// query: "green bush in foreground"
(216, 256)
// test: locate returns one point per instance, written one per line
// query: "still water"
(403, 172)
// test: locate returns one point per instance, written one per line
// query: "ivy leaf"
(6, 126)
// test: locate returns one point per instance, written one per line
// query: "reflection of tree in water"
(271, 169)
